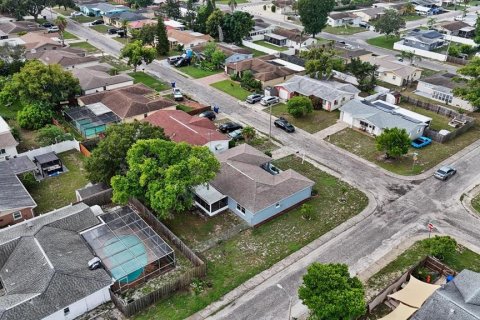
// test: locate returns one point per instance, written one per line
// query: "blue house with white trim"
(251, 187)
(102, 9)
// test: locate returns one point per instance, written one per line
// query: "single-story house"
(96, 79)
(330, 95)
(370, 14)
(469, 18)
(374, 117)
(48, 164)
(16, 204)
(285, 6)
(129, 103)
(424, 11)
(453, 28)
(244, 186)
(179, 126)
(260, 28)
(116, 19)
(232, 52)
(40, 41)
(187, 38)
(101, 9)
(44, 267)
(8, 144)
(15, 27)
(392, 71)
(424, 39)
(289, 38)
(440, 87)
(458, 299)
(172, 24)
(341, 19)
(68, 58)
(347, 53)
(269, 70)
(141, 23)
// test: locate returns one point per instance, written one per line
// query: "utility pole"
(270, 122)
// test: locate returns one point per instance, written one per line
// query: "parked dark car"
(254, 98)
(270, 168)
(283, 124)
(208, 114)
(444, 173)
(97, 22)
(229, 127)
(47, 24)
(173, 59)
(182, 62)
(236, 135)
(112, 31)
(121, 33)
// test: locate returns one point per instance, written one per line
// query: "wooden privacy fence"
(199, 270)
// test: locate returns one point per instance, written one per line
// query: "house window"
(17, 215)
(394, 77)
(2, 151)
(66, 311)
(240, 208)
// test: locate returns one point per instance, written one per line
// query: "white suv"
(266, 101)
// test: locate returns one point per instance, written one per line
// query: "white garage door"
(283, 94)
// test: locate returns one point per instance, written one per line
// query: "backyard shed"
(48, 164)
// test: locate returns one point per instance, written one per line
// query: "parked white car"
(53, 29)
(266, 101)
(76, 14)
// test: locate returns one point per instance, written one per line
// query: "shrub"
(264, 7)
(34, 116)
(22, 33)
(51, 134)
(273, 8)
(307, 212)
(268, 153)
(441, 247)
(299, 106)
(28, 180)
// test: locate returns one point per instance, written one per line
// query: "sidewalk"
(339, 126)
(212, 79)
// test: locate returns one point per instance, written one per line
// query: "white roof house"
(392, 71)
(8, 144)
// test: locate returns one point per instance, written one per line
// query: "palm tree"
(431, 22)
(248, 133)
(408, 55)
(232, 4)
(125, 28)
(61, 23)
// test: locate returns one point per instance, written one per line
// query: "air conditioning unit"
(94, 263)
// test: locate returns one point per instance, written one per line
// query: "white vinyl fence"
(57, 148)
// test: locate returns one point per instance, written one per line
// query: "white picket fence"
(57, 148)
(461, 40)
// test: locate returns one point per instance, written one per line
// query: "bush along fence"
(199, 270)
(466, 121)
(429, 262)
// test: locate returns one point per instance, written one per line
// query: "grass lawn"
(270, 46)
(100, 28)
(428, 73)
(197, 73)
(476, 203)
(239, 258)
(27, 137)
(363, 145)
(314, 122)
(84, 46)
(226, 1)
(115, 63)
(343, 31)
(439, 122)
(62, 11)
(68, 36)
(121, 40)
(232, 88)
(56, 192)
(383, 42)
(148, 80)
(255, 52)
(184, 108)
(84, 19)
(412, 17)
(263, 144)
(9, 112)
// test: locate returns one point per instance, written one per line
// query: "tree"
(365, 72)
(61, 23)
(454, 50)
(249, 82)
(34, 116)
(441, 247)
(408, 55)
(109, 157)
(163, 45)
(137, 53)
(140, 3)
(273, 8)
(202, 16)
(163, 175)
(314, 14)
(146, 34)
(172, 9)
(249, 133)
(409, 9)
(236, 26)
(40, 83)
(190, 15)
(232, 4)
(394, 142)
(321, 62)
(477, 30)
(431, 22)
(124, 27)
(20, 8)
(12, 59)
(390, 23)
(51, 134)
(470, 92)
(299, 106)
(331, 294)
(215, 23)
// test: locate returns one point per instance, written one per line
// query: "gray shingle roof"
(91, 78)
(13, 194)
(46, 269)
(21, 164)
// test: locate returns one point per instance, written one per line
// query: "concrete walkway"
(206, 81)
(339, 126)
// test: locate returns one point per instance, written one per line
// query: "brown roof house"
(129, 103)
(15, 27)
(269, 70)
(292, 38)
(232, 52)
(36, 41)
(186, 38)
(68, 58)
(8, 144)
(96, 79)
(179, 126)
(251, 187)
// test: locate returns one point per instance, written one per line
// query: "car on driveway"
(254, 98)
(267, 101)
(112, 31)
(47, 24)
(53, 29)
(208, 114)
(445, 172)
(236, 134)
(229, 127)
(283, 124)
(421, 142)
(177, 94)
(76, 14)
(174, 59)
(97, 22)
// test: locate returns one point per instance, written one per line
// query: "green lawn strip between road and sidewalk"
(84, 46)
(69, 36)
(232, 88)
(412, 17)
(148, 80)
(56, 192)
(313, 122)
(343, 30)
(383, 41)
(84, 19)
(363, 146)
(198, 73)
(268, 45)
(100, 28)
(233, 261)
(476, 203)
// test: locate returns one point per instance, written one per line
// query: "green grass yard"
(84, 19)
(239, 258)
(412, 17)
(476, 203)
(383, 42)
(84, 46)
(115, 63)
(56, 192)
(270, 46)
(148, 80)
(363, 145)
(438, 123)
(313, 122)
(62, 11)
(343, 31)
(197, 73)
(68, 36)
(232, 88)
(100, 28)
(121, 40)
(256, 53)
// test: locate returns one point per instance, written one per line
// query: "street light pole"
(289, 300)
(270, 122)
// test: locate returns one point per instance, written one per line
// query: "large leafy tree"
(477, 30)
(51, 134)
(215, 22)
(441, 247)
(12, 59)
(390, 23)
(40, 83)
(321, 62)
(236, 26)
(331, 294)
(20, 8)
(163, 174)
(394, 142)
(471, 91)
(299, 106)
(203, 13)
(163, 46)
(172, 9)
(314, 14)
(190, 15)
(35, 116)
(109, 157)
(364, 72)
(136, 54)
(140, 3)
(146, 34)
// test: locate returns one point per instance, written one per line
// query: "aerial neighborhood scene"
(240, 159)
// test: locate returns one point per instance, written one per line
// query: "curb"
(467, 200)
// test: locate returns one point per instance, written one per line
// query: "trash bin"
(173, 84)
(216, 109)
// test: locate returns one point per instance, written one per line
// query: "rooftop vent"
(94, 263)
